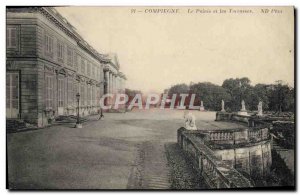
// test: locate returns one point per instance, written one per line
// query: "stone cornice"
(55, 18)
(110, 61)
(52, 15)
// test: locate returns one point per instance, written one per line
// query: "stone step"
(15, 125)
(156, 170)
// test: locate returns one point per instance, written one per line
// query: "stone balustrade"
(235, 136)
(216, 173)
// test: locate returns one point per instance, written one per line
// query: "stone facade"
(114, 80)
(48, 63)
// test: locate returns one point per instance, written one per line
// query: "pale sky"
(158, 50)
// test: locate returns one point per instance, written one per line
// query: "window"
(85, 94)
(98, 74)
(88, 68)
(70, 92)
(70, 56)
(49, 90)
(82, 66)
(12, 94)
(48, 44)
(101, 75)
(75, 91)
(89, 95)
(65, 91)
(82, 94)
(93, 71)
(61, 92)
(76, 61)
(60, 50)
(11, 37)
(93, 95)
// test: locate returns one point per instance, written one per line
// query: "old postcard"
(150, 98)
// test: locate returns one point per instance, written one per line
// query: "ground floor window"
(82, 94)
(93, 95)
(70, 92)
(61, 92)
(89, 95)
(75, 91)
(85, 94)
(12, 95)
(49, 91)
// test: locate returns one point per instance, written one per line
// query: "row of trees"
(275, 97)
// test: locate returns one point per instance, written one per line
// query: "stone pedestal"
(201, 106)
(259, 113)
(243, 113)
(259, 109)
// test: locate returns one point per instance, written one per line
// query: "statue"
(243, 111)
(259, 109)
(189, 121)
(243, 106)
(223, 106)
(201, 106)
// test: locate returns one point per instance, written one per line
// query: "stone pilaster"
(107, 81)
(115, 84)
(111, 82)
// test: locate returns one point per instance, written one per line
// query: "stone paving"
(123, 150)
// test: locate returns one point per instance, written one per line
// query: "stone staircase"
(69, 119)
(150, 170)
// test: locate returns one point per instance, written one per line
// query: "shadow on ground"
(183, 175)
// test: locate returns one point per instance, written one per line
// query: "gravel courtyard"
(121, 151)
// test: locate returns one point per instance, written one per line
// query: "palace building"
(48, 63)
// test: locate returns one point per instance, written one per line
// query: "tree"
(239, 89)
(259, 93)
(178, 89)
(281, 97)
(210, 94)
(276, 97)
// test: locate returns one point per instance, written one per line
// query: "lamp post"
(78, 124)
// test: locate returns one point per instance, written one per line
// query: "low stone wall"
(240, 118)
(251, 121)
(257, 122)
(232, 137)
(216, 173)
(225, 116)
